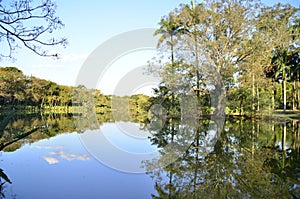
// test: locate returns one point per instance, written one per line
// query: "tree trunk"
(294, 95)
(196, 163)
(273, 97)
(284, 94)
(257, 92)
(197, 64)
(298, 91)
(253, 93)
(173, 72)
(252, 139)
(294, 134)
(220, 94)
(240, 108)
(298, 95)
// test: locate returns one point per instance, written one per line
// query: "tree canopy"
(242, 41)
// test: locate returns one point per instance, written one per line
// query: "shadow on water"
(250, 159)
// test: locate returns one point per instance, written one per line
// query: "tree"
(190, 17)
(282, 69)
(278, 25)
(18, 21)
(294, 62)
(12, 85)
(219, 32)
(229, 44)
(170, 29)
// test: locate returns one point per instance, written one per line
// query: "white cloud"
(51, 160)
(70, 156)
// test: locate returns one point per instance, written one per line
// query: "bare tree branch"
(15, 27)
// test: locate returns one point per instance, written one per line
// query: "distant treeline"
(22, 92)
(32, 94)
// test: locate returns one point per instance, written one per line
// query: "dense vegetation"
(254, 48)
(28, 92)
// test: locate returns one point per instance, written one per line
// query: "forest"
(29, 93)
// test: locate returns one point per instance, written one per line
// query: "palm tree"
(170, 28)
(191, 17)
(280, 61)
(294, 63)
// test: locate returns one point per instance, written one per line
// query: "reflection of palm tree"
(169, 131)
(230, 169)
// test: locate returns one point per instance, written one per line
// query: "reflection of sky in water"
(56, 155)
(122, 146)
(128, 137)
(60, 167)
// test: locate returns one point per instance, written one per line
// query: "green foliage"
(134, 108)
(22, 92)
(168, 100)
(250, 45)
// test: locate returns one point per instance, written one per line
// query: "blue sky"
(88, 24)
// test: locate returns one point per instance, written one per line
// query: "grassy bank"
(51, 109)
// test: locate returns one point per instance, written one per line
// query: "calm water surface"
(247, 159)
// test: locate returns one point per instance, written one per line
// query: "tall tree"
(276, 23)
(170, 29)
(280, 60)
(231, 39)
(223, 30)
(294, 63)
(190, 17)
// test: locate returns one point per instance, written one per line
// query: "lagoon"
(249, 159)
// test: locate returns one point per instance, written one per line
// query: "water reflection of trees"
(250, 159)
(53, 124)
